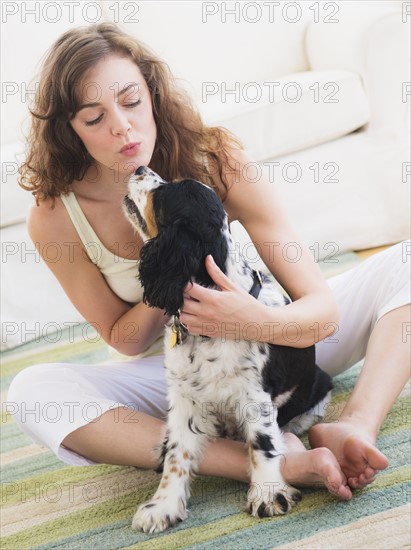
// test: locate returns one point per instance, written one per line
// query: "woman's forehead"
(113, 74)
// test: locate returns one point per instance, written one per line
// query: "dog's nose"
(140, 170)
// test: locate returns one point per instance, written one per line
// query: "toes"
(353, 482)
(360, 455)
(344, 492)
(339, 486)
(361, 481)
(359, 459)
(369, 472)
(340, 490)
(376, 459)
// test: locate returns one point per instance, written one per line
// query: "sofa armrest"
(374, 45)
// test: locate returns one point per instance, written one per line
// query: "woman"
(105, 106)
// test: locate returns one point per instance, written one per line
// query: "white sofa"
(320, 96)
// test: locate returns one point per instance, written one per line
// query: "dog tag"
(174, 336)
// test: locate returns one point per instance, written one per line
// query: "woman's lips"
(130, 149)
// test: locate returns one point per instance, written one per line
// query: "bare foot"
(315, 468)
(355, 450)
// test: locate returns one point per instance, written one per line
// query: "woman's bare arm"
(129, 329)
(311, 317)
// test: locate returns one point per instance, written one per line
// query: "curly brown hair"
(56, 156)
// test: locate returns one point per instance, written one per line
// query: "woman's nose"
(120, 124)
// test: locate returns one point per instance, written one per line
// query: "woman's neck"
(102, 183)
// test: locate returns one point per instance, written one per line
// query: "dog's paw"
(272, 503)
(156, 516)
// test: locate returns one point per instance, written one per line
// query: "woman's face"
(115, 120)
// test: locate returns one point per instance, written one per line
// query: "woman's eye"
(133, 104)
(95, 121)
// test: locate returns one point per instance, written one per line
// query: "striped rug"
(47, 505)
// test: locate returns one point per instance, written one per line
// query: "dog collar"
(257, 284)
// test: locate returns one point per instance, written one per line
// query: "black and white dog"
(237, 389)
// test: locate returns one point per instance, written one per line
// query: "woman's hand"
(223, 313)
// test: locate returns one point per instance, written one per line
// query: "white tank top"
(119, 273)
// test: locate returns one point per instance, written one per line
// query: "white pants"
(69, 396)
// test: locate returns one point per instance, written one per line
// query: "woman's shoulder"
(48, 218)
(237, 168)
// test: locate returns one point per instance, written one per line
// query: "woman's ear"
(167, 263)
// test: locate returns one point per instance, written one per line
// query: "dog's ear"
(199, 214)
(167, 264)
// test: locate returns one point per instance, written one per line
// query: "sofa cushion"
(348, 194)
(287, 114)
(374, 43)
